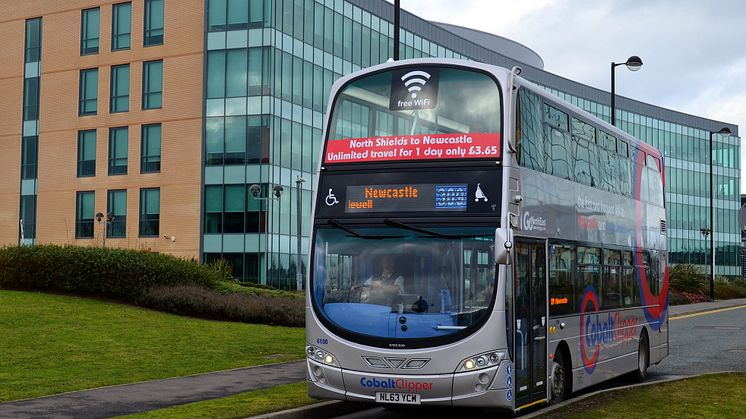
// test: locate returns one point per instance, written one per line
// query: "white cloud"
(694, 60)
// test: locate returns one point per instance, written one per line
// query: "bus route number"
(320, 341)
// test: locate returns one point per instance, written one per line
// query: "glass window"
(236, 72)
(214, 141)
(256, 14)
(118, 151)
(88, 92)
(360, 285)
(150, 210)
(256, 211)
(33, 40)
(258, 71)
(238, 14)
(555, 117)
(120, 88)
(89, 31)
(116, 213)
(121, 26)
(562, 290)
(213, 209)
(84, 214)
(29, 157)
(585, 157)
(589, 271)
(28, 217)
(559, 160)
(150, 149)
(152, 84)
(31, 99)
(258, 135)
(531, 152)
(215, 74)
(87, 153)
(456, 87)
(235, 140)
(154, 20)
(629, 281)
(216, 15)
(234, 208)
(611, 287)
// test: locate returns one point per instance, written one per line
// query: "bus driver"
(383, 287)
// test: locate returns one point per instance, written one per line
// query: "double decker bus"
(479, 242)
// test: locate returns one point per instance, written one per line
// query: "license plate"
(400, 398)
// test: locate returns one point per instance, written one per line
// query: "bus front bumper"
(482, 388)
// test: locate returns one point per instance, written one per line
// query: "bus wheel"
(560, 390)
(643, 358)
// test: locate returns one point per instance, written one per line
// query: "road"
(701, 342)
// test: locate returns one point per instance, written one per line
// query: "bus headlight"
(477, 362)
(320, 355)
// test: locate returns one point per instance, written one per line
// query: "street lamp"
(723, 131)
(633, 63)
(256, 193)
(298, 274)
(109, 219)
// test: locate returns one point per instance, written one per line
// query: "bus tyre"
(560, 375)
(643, 358)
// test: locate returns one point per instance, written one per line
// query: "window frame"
(81, 152)
(81, 222)
(119, 223)
(147, 94)
(114, 94)
(146, 220)
(145, 158)
(151, 35)
(84, 100)
(116, 35)
(85, 49)
(114, 169)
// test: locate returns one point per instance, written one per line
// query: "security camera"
(256, 190)
(99, 216)
(277, 190)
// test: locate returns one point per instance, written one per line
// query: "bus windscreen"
(416, 113)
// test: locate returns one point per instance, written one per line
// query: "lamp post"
(705, 232)
(723, 131)
(298, 274)
(633, 63)
(109, 219)
(256, 192)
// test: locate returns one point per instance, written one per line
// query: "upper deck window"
(416, 113)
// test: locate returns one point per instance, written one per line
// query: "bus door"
(530, 322)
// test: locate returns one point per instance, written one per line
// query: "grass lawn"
(242, 405)
(721, 396)
(52, 344)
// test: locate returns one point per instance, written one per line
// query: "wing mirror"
(503, 245)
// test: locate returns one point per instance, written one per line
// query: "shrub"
(676, 298)
(726, 291)
(118, 273)
(687, 278)
(198, 301)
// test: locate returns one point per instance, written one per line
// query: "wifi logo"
(414, 81)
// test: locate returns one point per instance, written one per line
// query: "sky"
(693, 51)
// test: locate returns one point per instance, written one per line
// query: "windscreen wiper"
(354, 233)
(431, 233)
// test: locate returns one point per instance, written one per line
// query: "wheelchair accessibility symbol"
(331, 200)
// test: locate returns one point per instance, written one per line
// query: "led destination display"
(406, 197)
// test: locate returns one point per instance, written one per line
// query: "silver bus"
(479, 242)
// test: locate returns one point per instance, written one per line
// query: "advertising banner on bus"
(414, 147)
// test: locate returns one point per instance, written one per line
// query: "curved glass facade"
(270, 65)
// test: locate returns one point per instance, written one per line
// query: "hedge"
(196, 301)
(117, 273)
